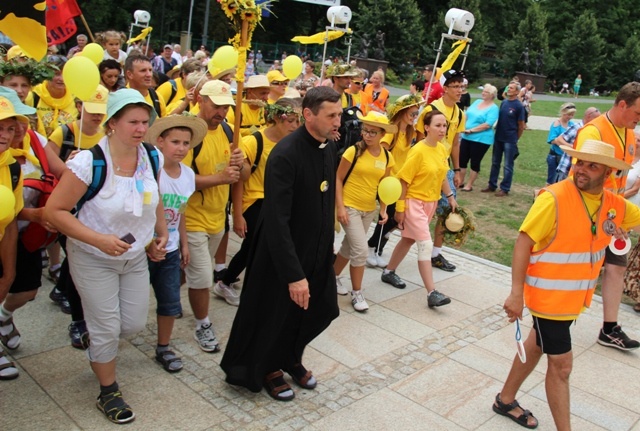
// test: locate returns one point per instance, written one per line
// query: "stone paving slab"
(398, 366)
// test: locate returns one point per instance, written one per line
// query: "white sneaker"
(228, 293)
(372, 259)
(207, 339)
(381, 261)
(358, 301)
(340, 288)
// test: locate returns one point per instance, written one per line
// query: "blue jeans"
(165, 280)
(509, 149)
(443, 203)
(553, 160)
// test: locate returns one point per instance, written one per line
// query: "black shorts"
(552, 336)
(614, 259)
(28, 270)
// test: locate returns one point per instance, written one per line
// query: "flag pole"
(240, 85)
(84, 21)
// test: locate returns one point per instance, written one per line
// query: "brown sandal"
(303, 377)
(14, 333)
(8, 365)
(275, 385)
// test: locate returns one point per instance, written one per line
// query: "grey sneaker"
(436, 299)
(393, 279)
(227, 293)
(340, 287)
(207, 339)
(358, 301)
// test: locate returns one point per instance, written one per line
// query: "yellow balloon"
(93, 52)
(225, 57)
(389, 190)
(292, 66)
(81, 77)
(7, 204)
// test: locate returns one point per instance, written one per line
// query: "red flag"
(59, 19)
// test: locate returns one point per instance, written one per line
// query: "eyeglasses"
(281, 84)
(455, 87)
(356, 82)
(372, 133)
(414, 114)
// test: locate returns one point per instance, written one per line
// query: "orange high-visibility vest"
(625, 150)
(562, 277)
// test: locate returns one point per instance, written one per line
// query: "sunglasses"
(356, 82)
(281, 84)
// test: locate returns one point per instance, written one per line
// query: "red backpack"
(35, 236)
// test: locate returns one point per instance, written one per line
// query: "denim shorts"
(443, 203)
(165, 280)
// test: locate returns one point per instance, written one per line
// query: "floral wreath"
(36, 72)
(403, 102)
(456, 239)
(273, 111)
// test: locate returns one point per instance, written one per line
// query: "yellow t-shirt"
(206, 208)
(540, 222)
(399, 151)
(163, 105)
(53, 112)
(165, 91)
(5, 180)
(424, 171)
(85, 142)
(254, 186)
(455, 121)
(252, 119)
(360, 189)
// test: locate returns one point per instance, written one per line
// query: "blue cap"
(19, 107)
(124, 97)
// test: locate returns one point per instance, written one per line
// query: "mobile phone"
(128, 238)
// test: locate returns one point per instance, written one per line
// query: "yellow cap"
(98, 102)
(8, 111)
(15, 51)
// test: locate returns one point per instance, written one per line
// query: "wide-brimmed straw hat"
(597, 152)
(454, 222)
(376, 119)
(197, 125)
(403, 102)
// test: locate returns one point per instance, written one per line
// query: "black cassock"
(294, 240)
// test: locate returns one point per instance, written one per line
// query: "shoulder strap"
(259, 148)
(38, 150)
(36, 99)
(174, 90)
(16, 172)
(353, 164)
(349, 99)
(227, 131)
(196, 151)
(153, 158)
(68, 142)
(99, 175)
(156, 101)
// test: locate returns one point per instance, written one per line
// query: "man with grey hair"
(82, 42)
(568, 138)
(508, 131)
(177, 53)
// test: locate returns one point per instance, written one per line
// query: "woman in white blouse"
(111, 236)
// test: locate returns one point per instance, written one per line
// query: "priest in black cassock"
(289, 292)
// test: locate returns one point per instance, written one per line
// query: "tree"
(399, 20)
(582, 51)
(623, 65)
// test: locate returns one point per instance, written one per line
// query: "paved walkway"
(400, 365)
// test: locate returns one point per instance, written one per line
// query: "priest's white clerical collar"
(324, 144)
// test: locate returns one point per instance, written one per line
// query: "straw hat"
(218, 73)
(337, 70)
(597, 152)
(403, 102)
(376, 119)
(197, 125)
(454, 222)
(257, 81)
(174, 72)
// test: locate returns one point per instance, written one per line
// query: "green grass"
(549, 108)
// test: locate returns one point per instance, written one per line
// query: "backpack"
(350, 127)
(68, 142)
(35, 236)
(260, 147)
(15, 171)
(99, 171)
(196, 150)
(355, 159)
(174, 90)
(156, 101)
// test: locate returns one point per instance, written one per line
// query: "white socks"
(436, 251)
(202, 322)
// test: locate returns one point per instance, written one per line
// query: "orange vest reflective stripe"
(616, 183)
(562, 277)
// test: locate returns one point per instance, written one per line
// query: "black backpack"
(196, 150)
(259, 148)
(68, 142)
(350, 126)
(15, 171)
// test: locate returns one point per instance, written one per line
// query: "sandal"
(302, 377)
(6, 366)
(14, 333)
(114, 408)
(170, 362)
(504, 409)
(277, 388)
